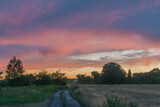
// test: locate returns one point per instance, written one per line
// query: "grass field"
(128, 95)
(27, 94)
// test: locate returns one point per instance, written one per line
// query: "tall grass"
(114, 101)
(27, 94)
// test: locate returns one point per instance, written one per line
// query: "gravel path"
(70, 101)
(56, 102)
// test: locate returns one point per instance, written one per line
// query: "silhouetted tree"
(0, 82)
(129, 76)
(29, 79)
(152, 77)
(43, 78)
(1, 74)
(14, 68)
(113, 73)
(82, 78)
(15, 72)
(58, 78)
(96, 76)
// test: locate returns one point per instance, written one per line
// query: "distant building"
(75, 81)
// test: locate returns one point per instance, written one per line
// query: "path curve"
(56, 102)
(70, 101)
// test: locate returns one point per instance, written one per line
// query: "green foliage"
(21, 95)
(129, 76)
(41, 78)
(4, 83)
(73, 87)
(152, 77)
(29, 79)
(113, 73)
(15, 76)
(14, 68)
(44, 77)
(82, 78)
(115, 101)
(133, 104)
(15, 72)
(0, 75)
(58, 78)
(23, 80)
(78, 92)
(96, 77)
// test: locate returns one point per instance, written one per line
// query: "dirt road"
(56, 101)
(69, 101)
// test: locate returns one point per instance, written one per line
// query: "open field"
(27, 94)
(131, 95)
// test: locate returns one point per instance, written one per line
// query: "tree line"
(113, 73)
(15, 76)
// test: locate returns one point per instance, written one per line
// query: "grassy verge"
(77, 94)
(115, 101)
(63, 99)
(27, 94)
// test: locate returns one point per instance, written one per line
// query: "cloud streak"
(54, 33)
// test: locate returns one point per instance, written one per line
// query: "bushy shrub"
(29, 79)
(4, 83)
(75, 90)
(83, 79)
(42, 78)
(23, 80)
(58, 78)
(55, 78)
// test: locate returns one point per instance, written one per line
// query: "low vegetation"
(27, 94)
(114, 101)
(76, 93)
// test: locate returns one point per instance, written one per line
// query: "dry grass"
(140, 95)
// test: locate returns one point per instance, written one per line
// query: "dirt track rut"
(69, 101)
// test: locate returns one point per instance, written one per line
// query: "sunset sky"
(79, 36)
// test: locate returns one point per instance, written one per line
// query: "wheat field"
(133, 95)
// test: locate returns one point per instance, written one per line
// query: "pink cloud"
(56, 44)
(25, 12)
(64, 42)
(108, 17)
